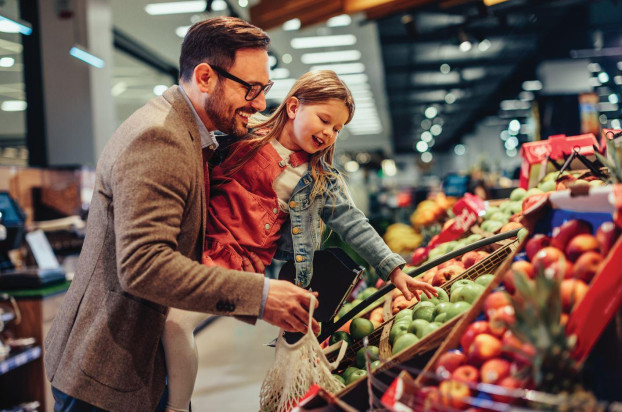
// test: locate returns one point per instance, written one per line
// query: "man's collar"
(208, 139)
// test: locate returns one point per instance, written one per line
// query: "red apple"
(419, 255)
(448, 362)
(429, 396)
(510, 384)
(523, 267)
(484, 347)
(535, 244)
(452, 394)
(562, 234)
(580, 244)
(510, 226)
(587, 266)
(508, 282)
(607, 234)
(533, 200)
(428, 276)
(546, 257)
(494, 370)
(572, 291)
(495, 301)
(450, 262)
(471, 258)
(466, 373)
(447, 273)
(563, 269)
(474, 329)
(500, 319)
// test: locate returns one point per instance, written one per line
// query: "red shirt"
(243, 212)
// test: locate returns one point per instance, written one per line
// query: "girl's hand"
(406, 284)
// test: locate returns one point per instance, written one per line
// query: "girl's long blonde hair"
(315, 87)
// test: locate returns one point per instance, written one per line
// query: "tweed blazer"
(141, 255)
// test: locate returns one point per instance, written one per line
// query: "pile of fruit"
(402, 238)
(431, 210)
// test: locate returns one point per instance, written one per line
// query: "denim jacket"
(301, 235)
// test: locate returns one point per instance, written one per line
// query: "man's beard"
(217, 112)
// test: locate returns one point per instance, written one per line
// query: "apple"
(545, 257)
(523, 267)
(466, 373)
(429, 328)
(484, 347)
(572, 291)
(561, 235)
(424, 310)
(376, 317)
(398, 329)
(457, 309)
(400, 303)
(428, 276)
(417, 326)
(535, 244)
(404, 313)
(355, 375)
(494, 370)
(441, 317)
(430, 397)
(474, 329)
(441, 296)
(500, 319)
(471, 258)
(581, 244)
(448, 362)
(496, 300)
(484, 280)
(607, 234)
(450, 262)
(468, 293)
(419, 255)
(403, 342)
(453, 394)
(447, 273)
(533, 199)
(509, 383)
(360, 355)
(458, 284)
(510, 226)
(587, 266)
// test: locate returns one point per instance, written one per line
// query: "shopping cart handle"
(328, 328)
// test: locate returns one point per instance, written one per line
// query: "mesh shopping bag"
(296, 367)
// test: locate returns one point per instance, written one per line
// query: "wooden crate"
(380, 336)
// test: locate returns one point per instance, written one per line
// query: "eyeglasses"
(252, 90)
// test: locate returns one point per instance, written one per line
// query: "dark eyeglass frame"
(252, 89)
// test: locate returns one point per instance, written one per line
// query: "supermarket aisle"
(233, 362)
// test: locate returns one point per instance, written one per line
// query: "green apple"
(441, 296)
(518, 194)
(339, 378)
(360, 355)
(522, 234)
(500, 217)
(429, 328)
(458, 308)
(490, 211)
(458, 284)
(484, 280)
(535, 191)
(442, 307)
(516, 207)
(467, 293)
(441, 317)
(417, 326)
(492, 226)
(404, 313)
(473, 238)
(398, 330)
(424, 310)
(346, 374)
(356, 375)
(367, 292)
(375, 364)
(345, 309)
(404, 341)
(339, 336)
(548, 186)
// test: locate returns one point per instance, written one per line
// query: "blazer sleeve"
(152, 180)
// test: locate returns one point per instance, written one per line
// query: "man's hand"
(287, 307)
(252, 263)
(406, 284)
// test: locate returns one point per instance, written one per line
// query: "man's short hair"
(215, 41)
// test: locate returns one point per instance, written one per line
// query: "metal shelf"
(18, 359)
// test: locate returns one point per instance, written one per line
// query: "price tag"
(42, 250)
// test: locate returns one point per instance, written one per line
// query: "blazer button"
(292, 204)
(275, 211)
(219, 306)
(299, 258)
(231, 307)
(267, 226)
(296, 230)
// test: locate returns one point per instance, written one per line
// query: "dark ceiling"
(519, 35)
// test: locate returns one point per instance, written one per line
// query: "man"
(146, 228)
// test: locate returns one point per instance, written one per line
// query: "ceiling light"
(511, 143)
(279, 73)
(618, 80)
(176, 7)
(532, 85)
(514, 105)
(286, 58)
(354, 79)
(291, 25)
(181, 31)
(426, 137)
(594, 82)
(388, 167)
(602, 119)
(526, 96)
(159, 89)
(484, 45)
(426, 157)
(514, 126)
(219, 5)
(243, 3)
(465, 46)
(7, 62)
(607, 107)
(505, 135)
(339, 21)
(425, 124)
(511, 152)
(421, 146)
(594, 67)
(330, 57)
(13, 25)
(603, 77)
(431, 142)
(351, 166)
(431, 112)
(81, 53)
(436, 129)
(613, 98)
(450, 98)
(445, 68)
(459, 149)
(615, 124)
(13, 106)
(118, 89)
(344, 68)
(323, 41)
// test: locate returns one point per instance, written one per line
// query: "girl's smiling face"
(313, 127)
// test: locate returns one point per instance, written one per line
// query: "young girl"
(270, 199)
